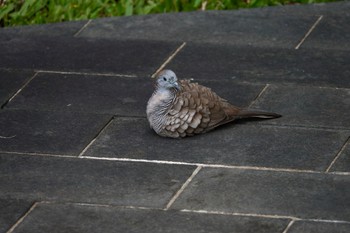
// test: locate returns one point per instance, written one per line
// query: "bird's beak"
(177, 86)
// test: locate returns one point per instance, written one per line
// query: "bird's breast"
(157, 108)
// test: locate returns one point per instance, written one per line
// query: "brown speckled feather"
(197, 109)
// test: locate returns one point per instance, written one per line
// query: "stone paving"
(77, 154)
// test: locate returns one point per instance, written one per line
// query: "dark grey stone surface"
(226, 27)
(99, 79)
(326, 9)
(79, 218)
(307, 106)
(89, 181)
(85, 55)
(48, 132)
(241, 144)
(11, 81)
(124, 96)
(11, 210)
(303, 195)
(333, 32)
(86, 93)
(55, 30)
(256, 27)
(263, 65)
(319, 227)
(342, 164)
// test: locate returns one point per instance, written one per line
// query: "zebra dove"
(181, 108)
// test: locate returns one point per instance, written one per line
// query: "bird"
(181, 108)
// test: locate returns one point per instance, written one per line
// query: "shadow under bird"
(179, 108)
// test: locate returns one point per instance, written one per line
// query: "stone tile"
(342, 164)
(105, 94)
(319, 227)
(132, 57)
(263, 65)
(86, 93)
(326, 9)
(41, 30)
(48, 132)
(302, 195)
(46, 218)
(330, 33)
(11, 210)
(307, 106)
(89, 181)
(228, 27)
(241, 144)
(11, 81)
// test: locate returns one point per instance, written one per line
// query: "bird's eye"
(164, 78)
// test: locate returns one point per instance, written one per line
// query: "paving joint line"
(85, 73)
(203, 165)
(258, 96)
(289, 226)
(308, 32)
(97, 205)
(183, 187)
(20, 220)
(325, 221)
(19, 90)
(293, 218)
(95, 138)
(168, 60)
(347, 142)
(240, 214)
(38, 154)
(82, 28)
(340, 173)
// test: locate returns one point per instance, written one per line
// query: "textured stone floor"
(77, 154)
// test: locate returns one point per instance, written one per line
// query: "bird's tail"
(257, 114)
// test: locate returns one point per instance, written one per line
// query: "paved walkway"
(77, 155)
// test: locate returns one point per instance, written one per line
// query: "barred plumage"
(185, 109)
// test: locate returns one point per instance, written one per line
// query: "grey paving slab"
(263, 65)
(332, 32)
(242, 144)
(78, 218)
(68, 29)
(307, 106)
(326, 9)
(302, 195)
(11, 210)
(11, 81)
(319, 227)
(48, 132)
(89, 181)
(86, 93)
(227, 27)
(342, 164)
(85, 55)
(106, 94)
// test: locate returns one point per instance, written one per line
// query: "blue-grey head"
(167, 79)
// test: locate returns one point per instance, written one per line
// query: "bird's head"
(167, 79)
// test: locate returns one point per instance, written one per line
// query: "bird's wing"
(196, 109)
